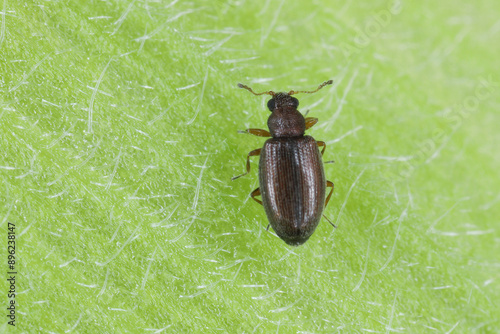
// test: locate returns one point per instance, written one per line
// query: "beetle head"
(281, 100)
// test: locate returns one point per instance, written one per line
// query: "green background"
(118, 127)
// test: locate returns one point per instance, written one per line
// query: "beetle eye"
(271, 104)
(295, 102)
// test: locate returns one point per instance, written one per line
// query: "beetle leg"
(328, 220)
(251, 154)
(322, 143)
(257, 132)
(310, 121)
(329, 184)
(254, 193)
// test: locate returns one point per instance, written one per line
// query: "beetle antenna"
(292, 92)
(254, 93)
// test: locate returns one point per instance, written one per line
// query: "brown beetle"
(291, 176)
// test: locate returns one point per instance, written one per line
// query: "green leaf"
(119, 138)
